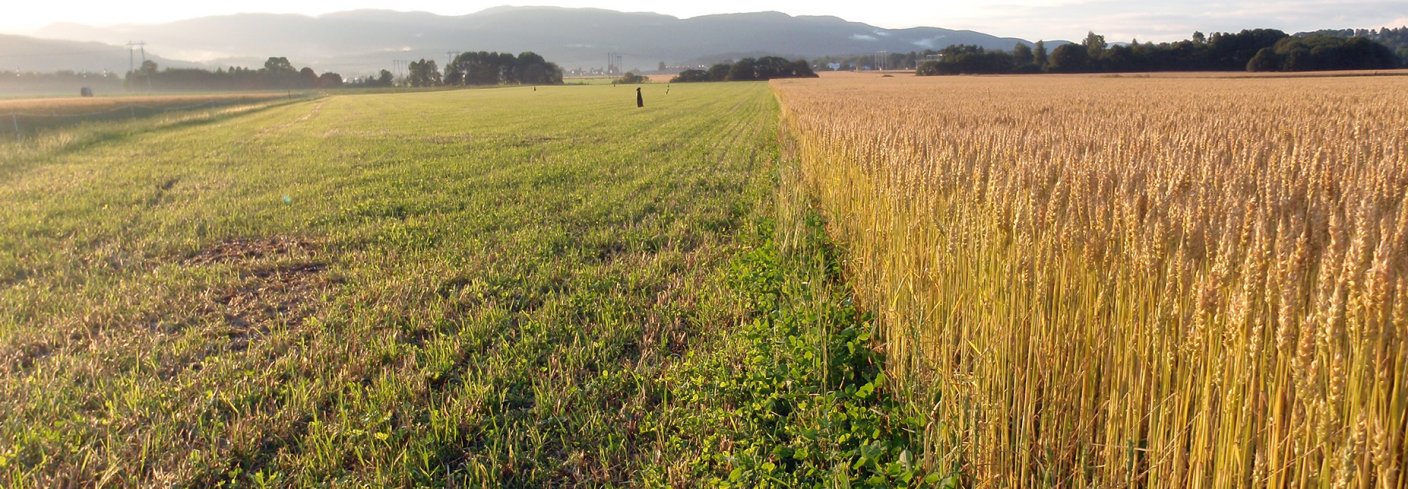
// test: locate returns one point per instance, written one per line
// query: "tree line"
(276, 74)
(1395, 39)
(12, 82)
(749, 69)
(872, 61)
(472, 68)
(492, 68)
(1249, 50)
(485, 68)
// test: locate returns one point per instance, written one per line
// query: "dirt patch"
(281, 281)
(314, 111)
(251, 249)
(20, 356)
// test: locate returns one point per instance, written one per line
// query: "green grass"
(501, 287)
(26, 119)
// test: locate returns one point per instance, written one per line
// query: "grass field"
(1074, 281)
(501, 287)
(81, 105)
(40, 117)
(1107, 282)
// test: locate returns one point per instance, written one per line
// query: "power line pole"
(143, 47)
(401, 67)
(131, 70)
(613, 64)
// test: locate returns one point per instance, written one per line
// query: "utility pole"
(131, 70)
(613, 64)
(402, 66)
(143, 47)
(450, 58)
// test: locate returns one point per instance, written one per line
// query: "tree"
(1320, 52)
(719, 72)
(662, 67)
(1094, 45)
(764, 68)
(688, 76)
(384, 79)
(1119, 58)
(330, 80)
(532, 69)
(1070, 58)
(486, 68)
(1022, 55)
(1199, 38)
(770, 67)
(1039, 56)
(423, 73)
(1265, 60)
(278, 65)
(929, 68)
(1229, 51)
(143, 76)
(802, 69)
(507, 66)
(307, 78)
(743, 70)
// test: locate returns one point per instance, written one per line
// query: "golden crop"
(1098, 281)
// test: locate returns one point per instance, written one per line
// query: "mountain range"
(21, 53)
(363, 41)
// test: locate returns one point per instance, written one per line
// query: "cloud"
(199, 56)
(929, 43)
(863, 37)
(1151, 20)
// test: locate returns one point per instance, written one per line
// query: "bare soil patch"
(282, 280)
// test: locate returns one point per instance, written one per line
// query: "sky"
(1118, 20)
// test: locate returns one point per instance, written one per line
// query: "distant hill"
(362, 41)
(28, 54)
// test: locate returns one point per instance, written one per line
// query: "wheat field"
(1110, 282)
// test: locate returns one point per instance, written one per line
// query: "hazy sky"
(1119, 20)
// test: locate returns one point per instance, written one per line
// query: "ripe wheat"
(1130, 282)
